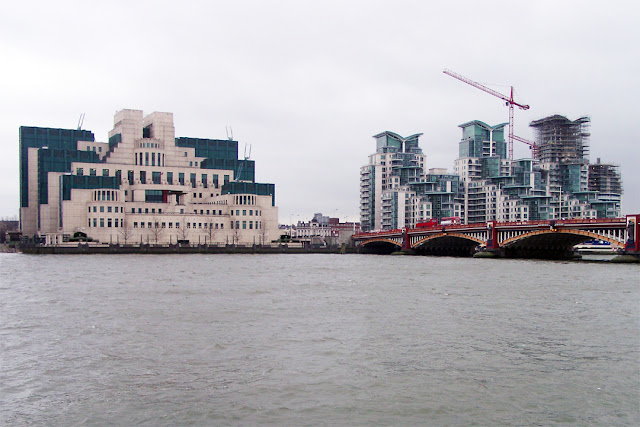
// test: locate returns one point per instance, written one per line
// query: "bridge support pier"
(404, 252)
(626, 258)
(489, 253)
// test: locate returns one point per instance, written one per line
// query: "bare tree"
(126, 231)
(264, 231)
(236, 233)
(183, 232)
(156, 231)
(211, 232)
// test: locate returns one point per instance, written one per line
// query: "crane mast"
(510, 102)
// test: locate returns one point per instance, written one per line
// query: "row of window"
(245, 200)
(116, 209)
(244, 212)
(202, 212)
(146, 210)
(139, 159)
(159, 211)
(94, 172)
(258, 225)
(105, 195)
(156, 176)
(201, 225)
(149, 145)
(102, 222)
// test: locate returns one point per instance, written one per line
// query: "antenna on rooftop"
(80, 121)
(229, 132)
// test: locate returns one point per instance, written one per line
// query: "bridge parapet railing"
(377, 233)
(562, 222)
(447, 227)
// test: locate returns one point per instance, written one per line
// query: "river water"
(317, 340)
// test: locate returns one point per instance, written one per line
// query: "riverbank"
(88, 249)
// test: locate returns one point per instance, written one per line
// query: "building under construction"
(560, 140)
(605, 178)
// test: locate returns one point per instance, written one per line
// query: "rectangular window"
(192, 178)
(226, 179)
(101, 208)
(108, 208)
(135, 224)
(215, 180)
(109, 222)
(143, 177)
(244, 225)
(204, 180)
(105, 172)
(244, 212)
(155, 177)
(79, 171)
(130, 177)
(146, 159)
(92, 172)
(181, 178)
(102, 222)
(153, 159)
(89, 209)
(170, 225)
(169, 177)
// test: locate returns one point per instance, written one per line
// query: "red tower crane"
(509, 102)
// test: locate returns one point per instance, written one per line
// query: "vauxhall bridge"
(552, 239)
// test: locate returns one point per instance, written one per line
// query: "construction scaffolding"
(560, 140)
(605, 178)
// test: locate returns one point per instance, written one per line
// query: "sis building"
(142, 186)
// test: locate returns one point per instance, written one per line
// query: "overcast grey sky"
(307, 83)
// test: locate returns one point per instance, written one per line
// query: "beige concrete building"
(142, 186)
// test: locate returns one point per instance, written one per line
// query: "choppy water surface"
(317, 340)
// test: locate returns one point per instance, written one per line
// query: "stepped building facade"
(142, 186)
(556, 182)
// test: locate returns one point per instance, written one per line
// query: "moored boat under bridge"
(550, 239)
